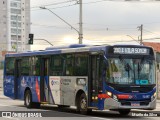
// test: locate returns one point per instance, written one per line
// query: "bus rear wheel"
(82, 104)
(124, 111)
(28, 99)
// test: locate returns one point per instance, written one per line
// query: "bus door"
(17, 78)
(44, 81)
(95, 83)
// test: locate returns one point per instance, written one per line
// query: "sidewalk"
(158, 101)
(1, 94)
(1, 89)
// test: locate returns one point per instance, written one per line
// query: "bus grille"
(128, 103)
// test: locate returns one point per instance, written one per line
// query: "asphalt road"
(55, 113)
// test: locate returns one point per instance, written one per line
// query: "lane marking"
(12, 118)
(3, 105)
(8, 105)
(101, 118)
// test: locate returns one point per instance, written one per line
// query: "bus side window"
(56, 65)
(10, 62)
(31, 64)
(25, 67)
(81, 64)
(69, 66)
(35, 66)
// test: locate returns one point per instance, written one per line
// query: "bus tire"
(28, 99)
(36, 105)
(124, 111)
(82, 104)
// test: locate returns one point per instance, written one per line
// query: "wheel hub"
(83, 103)
(27, 99)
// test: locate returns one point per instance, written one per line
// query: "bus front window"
(130, 71)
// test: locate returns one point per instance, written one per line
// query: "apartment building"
(14, 25)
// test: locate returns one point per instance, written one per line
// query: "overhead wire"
(56, 7)
(151, 32)
(51, 4)
(98, 1)
(115, 41)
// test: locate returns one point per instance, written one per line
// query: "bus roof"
(74, 48)
(69, 46)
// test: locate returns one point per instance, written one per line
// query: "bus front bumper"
(110, 103)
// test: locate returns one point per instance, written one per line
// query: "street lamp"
(133, 38)
(45, 40)
(79, 33)
(17, 33)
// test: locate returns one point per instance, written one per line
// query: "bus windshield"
(130, 71)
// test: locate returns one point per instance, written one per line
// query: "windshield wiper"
(128, 67)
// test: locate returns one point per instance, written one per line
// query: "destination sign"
(122, 50)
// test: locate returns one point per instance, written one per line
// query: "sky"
(104, 21)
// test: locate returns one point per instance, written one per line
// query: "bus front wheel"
(82, 104)
(28, 99)
(124, 111)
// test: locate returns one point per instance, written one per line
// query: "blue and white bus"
(117, 77)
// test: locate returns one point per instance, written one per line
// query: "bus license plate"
(135, 104)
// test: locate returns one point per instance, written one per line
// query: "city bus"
(114, 77)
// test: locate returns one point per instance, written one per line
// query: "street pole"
(17, 34)
(80, 23)
(141, 28)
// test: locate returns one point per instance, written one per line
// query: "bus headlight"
(153, 96)
(109, 94)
